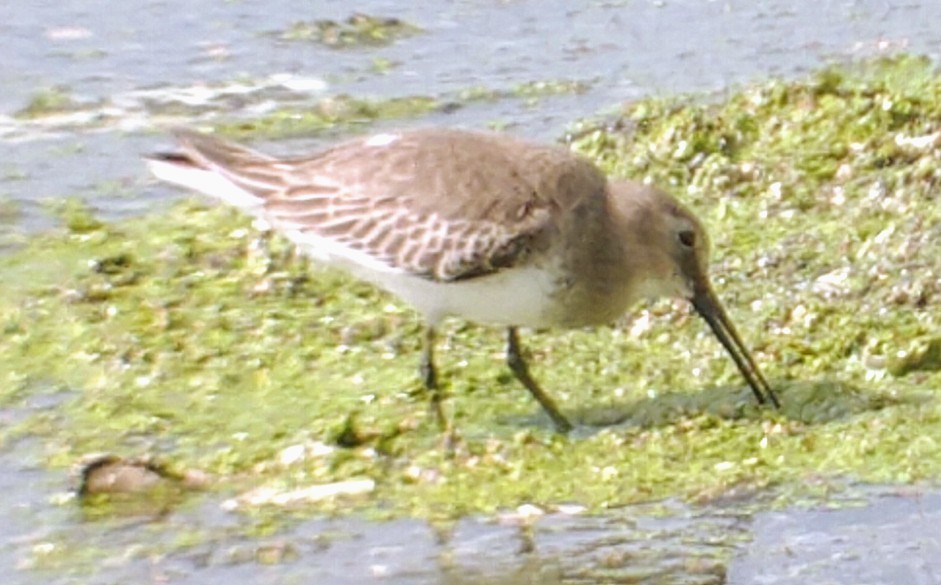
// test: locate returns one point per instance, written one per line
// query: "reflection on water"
(665, 542)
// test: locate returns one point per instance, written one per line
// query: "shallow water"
(865, 535)
(892, 539)
(135, 54)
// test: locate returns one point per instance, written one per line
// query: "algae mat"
(192, 338)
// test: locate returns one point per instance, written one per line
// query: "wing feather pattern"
(443, 204)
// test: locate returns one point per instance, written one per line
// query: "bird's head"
(675, 262)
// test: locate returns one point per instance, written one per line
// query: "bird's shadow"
(809, 402)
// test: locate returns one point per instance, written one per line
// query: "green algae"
(359, 30)
(340, 112)
(242, 107)
(923, 354)
(528, 90)
(48, 102)
(11, 233)
(191, 337)
(344, 114)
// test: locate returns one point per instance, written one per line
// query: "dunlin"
(481, 226)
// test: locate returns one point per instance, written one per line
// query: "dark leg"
(429, 376)
(514, 359)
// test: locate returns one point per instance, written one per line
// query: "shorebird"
(481, 226)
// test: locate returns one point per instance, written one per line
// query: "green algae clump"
(359, 30)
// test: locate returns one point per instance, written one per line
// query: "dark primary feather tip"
(170, 157)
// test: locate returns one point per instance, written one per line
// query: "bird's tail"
(237, 175)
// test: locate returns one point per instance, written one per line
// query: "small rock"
(105, 473)
(263, 496)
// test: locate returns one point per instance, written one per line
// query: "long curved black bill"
(709, 307)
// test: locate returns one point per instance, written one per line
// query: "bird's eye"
(687, 238)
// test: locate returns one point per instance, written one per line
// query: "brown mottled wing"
(444, 204)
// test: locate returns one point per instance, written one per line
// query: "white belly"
(518, 296)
